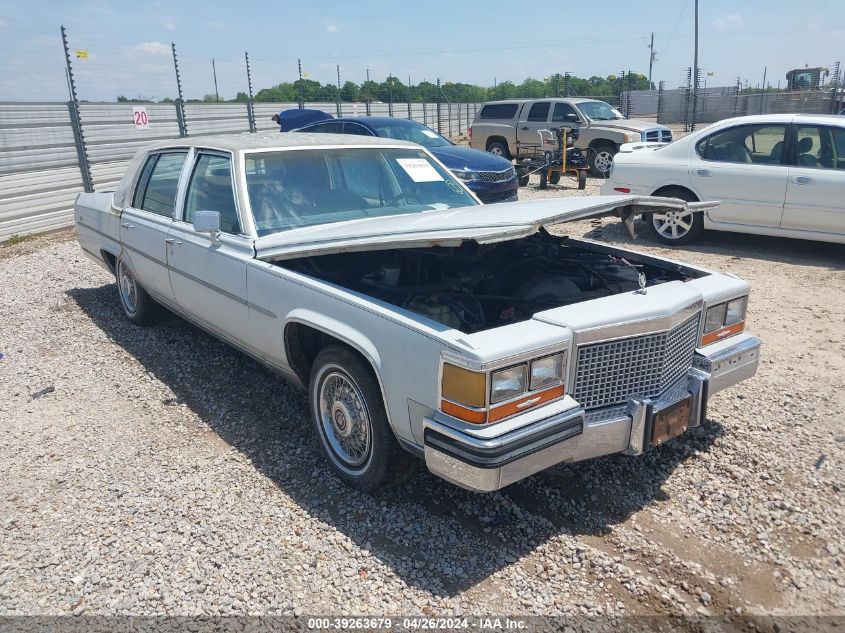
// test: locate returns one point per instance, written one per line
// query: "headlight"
(736, 311)
(633, 137)
(715, 318)
(507, 383)
(723, 320)
(466, 175)
(546, 372)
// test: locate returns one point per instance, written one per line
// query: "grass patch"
(17, 239)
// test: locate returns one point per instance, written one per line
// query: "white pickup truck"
(420, 321)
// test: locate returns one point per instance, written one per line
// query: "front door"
(743, 167)
(533, 116)
(208, 273)
(145, 224)
(816, 186)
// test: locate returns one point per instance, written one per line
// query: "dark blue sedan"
(491, 178)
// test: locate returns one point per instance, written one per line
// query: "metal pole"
(338, 91)
(301, 90)
(76, 123)
(365, 96)
(250, 108)
(409, 98)
(180, 103)
(650, 59)
(439, 129)
(216, 93)
(660, 103)
(695, 72)
(390, 95)
(765, 70)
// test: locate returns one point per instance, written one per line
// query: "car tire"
(600, 157)
(582, 179)
(544, 183)
(138, 306)
(351, 422)
(523, 180)
(497, 148)
(554, 178)
(676, 228)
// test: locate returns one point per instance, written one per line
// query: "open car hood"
(451, 227)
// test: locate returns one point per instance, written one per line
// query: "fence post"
(180, 103)
(76, 123)
(439, 128)
(409, 99)
(660, 103)
(449, 114)
(425, 110)
(250, 111)
(460, 131)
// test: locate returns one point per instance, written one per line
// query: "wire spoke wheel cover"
(127, 287)
(344, 419)
(672, 224)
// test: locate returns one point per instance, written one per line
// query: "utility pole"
(695, 71)
(650, 60)
(301, 90)
(214, 69)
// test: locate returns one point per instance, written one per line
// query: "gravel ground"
(158, 471)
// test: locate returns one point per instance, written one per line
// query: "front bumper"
(573, 435)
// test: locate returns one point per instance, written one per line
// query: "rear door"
(815, 189)
(145, 224)
(208, 275)
(743, 167)
(533, 116)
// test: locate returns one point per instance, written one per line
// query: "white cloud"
(3, 23)
(732, 21)
(170, 26)
(154, 48)
(332, 28)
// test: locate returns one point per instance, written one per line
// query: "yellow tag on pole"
(81, 53)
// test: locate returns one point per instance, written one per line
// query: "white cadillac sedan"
(778, 174)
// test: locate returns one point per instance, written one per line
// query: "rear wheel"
(678, 226)
(497, 148)
(351, 422)
(554, 178)
(601, 158)
(138, 306)
(582, 179)
(544, 179)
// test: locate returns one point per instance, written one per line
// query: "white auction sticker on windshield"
(429, 133)
(419, 169)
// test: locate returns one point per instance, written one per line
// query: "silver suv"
(509, 128)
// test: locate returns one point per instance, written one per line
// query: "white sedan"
(778, 174)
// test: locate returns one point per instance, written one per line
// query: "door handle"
(524, 127)
(703, 172)
(126, 225)
(170, 240)
(803, 180)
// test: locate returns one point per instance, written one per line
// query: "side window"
(820, 146)
(361, 176)
(332, 127)
(561, 111)
(355, 128)
(539, 111)
(211, 189)
(745, 144)
(498, 111)
(156, 190)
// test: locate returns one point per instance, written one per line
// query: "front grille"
(502, 196)
(658, 136)
(497, 176)
(610, 373)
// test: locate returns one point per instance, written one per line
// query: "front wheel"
(351, 422)
(601, 159)
(677, 226)
(582, 180)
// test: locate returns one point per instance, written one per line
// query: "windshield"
(299, 188)
(409, 131)
(599, 111)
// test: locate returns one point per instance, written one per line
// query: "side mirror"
(207, 222)
(572, 117)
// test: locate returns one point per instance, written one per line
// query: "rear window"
(498, 111)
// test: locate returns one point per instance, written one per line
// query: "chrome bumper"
(573, 435)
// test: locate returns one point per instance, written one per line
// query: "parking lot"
(158, 471)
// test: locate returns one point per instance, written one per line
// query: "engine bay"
(476, 287)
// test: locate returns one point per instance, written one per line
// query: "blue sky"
(129, 42)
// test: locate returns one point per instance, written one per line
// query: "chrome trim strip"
(642, 327)
(144, 255)
(201, 282)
